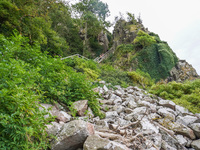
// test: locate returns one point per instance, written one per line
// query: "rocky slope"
(182, 71)
(134, 120)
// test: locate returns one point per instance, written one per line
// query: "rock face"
(126, 32)
(182, 71)
(103, 40)
(134, 120)
(81, 107)
(72, 135)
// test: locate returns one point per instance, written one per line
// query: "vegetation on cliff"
(34, 35)
(146, 52)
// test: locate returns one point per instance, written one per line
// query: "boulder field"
(134, 120)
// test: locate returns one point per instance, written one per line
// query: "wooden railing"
(97, 59)
(78, 55)
(104, 56)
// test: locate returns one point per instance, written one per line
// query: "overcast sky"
(175, 21)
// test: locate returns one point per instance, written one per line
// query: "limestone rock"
(102, 82)
(81, 107)
(72, 135)
(118, 108)
(65, 118)
(111, 114)
(182, 71)
(148, 126)
(167, 103)
(182, 130)
(132, 104)
(90, 113)
(196, 144)
(181, 110)
(181, 140)
(95, 142)
(196, 128)
(119, 93)
(105, 88)
(117, 101)
(137, 113)
(53, 128)
(165, 113)
(61, 116)
(186, 120)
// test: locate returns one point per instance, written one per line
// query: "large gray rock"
(169, 142)
(167, 103)
(152, 107)
(166, 114)
(132, 104)
(105, 89)
(95, 142)
(118, 108)
(53, 128)
(181, 140)
(196, 128)
(148, 126)
(186, 120)
(196, 144)
(72, 135)
(81, 107)
(117, 101)
(61, 116)
(137, 113)
(181, 129)
(119, 92)
(111, 114)
(181, 110)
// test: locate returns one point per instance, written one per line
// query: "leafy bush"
(22, 125)
(88, 67)
(185, 94)
(143, 40)
(115, 76)
(27, 78)
(141, 78)
(157, 60)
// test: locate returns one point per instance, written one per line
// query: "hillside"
(126, 93)
(137, 48)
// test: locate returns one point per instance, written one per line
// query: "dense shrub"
(114, 76)
(143, 40)
(27, 78)
(141, 78)
(22, 125)
(185, 94)
(88, 67)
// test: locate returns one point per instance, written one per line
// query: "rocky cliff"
(157, 59)
(134, 120)
(182, 71)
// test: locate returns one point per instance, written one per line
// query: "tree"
(143, 40)
(92, 14)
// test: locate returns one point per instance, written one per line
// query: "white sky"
(175, 21)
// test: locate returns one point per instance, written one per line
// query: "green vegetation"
(186, 94)
(143, 40)
(114, 76)
(34, 35)
(156, 59)
(50, 23)
(28, 77)
(141, 78)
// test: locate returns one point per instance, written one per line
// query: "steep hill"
(137, 48)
